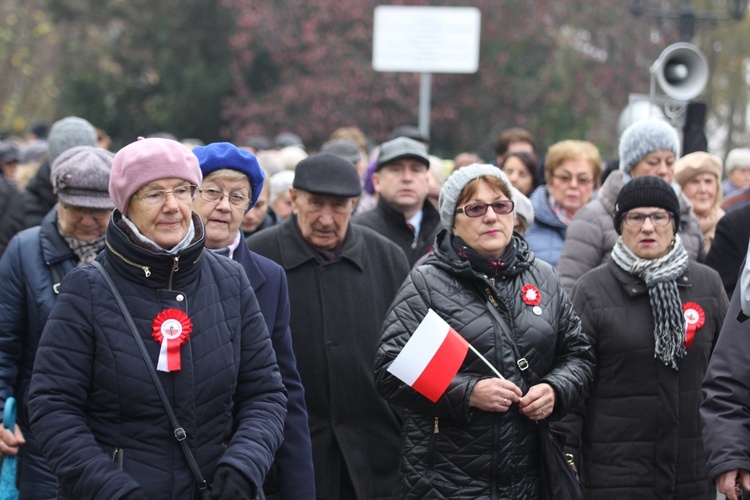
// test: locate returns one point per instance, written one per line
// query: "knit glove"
(230, 484)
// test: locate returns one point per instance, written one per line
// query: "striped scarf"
(660, 276)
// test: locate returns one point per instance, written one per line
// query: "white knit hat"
(644, 137)
(451, 191)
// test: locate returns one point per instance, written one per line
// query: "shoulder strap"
(522, 363)
(179, 432)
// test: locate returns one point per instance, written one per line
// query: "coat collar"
(54, 247)
(148, 267)
(295, 252)
(244, 256)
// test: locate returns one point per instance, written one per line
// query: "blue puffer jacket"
(94, 409)
(547, 234)
(27, 270)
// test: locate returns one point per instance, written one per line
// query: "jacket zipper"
(433, 443)
(415, 242)
(117, 456)
(145, 269)
(175, 268)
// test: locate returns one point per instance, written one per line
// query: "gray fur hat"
(455, 184)
(644, 137)
(68, 133)
(80, 177)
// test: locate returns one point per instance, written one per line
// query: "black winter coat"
(639, 435)
(29, 207)
(449, 449)
(388, 222)
(729, 247)
(94, 409)
(337, 309)
(724, 411)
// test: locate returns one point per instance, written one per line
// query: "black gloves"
(230, 484)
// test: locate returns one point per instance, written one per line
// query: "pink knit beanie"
(148, 160)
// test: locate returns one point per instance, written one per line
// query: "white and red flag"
(431, 358)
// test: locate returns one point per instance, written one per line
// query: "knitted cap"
(644, 137)
(646, 191)
(455, 184)
(225, 155)
(69, 133)
(737, 158)
(148, 160)
(80, 177)
(328, 175)
(696, 163)
(523, 206)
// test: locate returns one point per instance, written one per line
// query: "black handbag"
(179, 433)
(558, 478)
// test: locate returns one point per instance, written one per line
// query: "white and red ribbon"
(171, 328)
(695, 317)
(531, 295)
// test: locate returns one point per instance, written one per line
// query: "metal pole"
(425, 88)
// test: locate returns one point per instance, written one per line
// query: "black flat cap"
(403, 147)
(328, 175)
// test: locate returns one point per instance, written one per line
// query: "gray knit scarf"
(660, 276)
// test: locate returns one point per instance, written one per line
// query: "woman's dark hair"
(529, 161)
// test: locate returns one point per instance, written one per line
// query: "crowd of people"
(188, 320)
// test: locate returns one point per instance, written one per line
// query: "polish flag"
(431, 358)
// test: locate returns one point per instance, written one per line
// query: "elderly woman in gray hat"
(31, 269)
(647, 147)
(479, 435)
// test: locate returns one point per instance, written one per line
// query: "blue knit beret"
(220, 155)
(644, 137)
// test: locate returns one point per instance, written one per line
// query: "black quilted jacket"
(94, 409)
(450, 450)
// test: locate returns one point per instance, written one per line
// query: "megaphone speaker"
(681, 71)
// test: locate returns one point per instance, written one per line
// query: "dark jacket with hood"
(29, 207)
(449, 449)
(337, 309)
(389, 222)
(94, 409)
(638, 433)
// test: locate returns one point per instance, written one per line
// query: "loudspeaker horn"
(682, 71)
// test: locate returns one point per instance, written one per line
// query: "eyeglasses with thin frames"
(637, 219)
(185, 192)
(237, 200)
(502, 207)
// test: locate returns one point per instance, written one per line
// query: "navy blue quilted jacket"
(95, 412)
(448, 449)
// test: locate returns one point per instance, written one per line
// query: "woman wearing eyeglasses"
(232, 182)
(480, 438)
(31, 269)
(572, 170)
(652, 315)
(95, 408)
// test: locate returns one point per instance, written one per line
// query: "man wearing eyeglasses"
(403, 214)
(342, 279)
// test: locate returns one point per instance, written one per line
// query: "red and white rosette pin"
(171, 328)
(531, 296)
(695, 317)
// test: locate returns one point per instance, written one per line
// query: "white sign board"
(426, 39)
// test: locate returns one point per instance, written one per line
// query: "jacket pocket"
(118, 454)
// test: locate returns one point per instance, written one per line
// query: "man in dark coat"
(30, 206)
(342, 279)
(403, 214)
(730, 246)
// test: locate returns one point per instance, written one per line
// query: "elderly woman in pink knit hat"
(155, 376)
